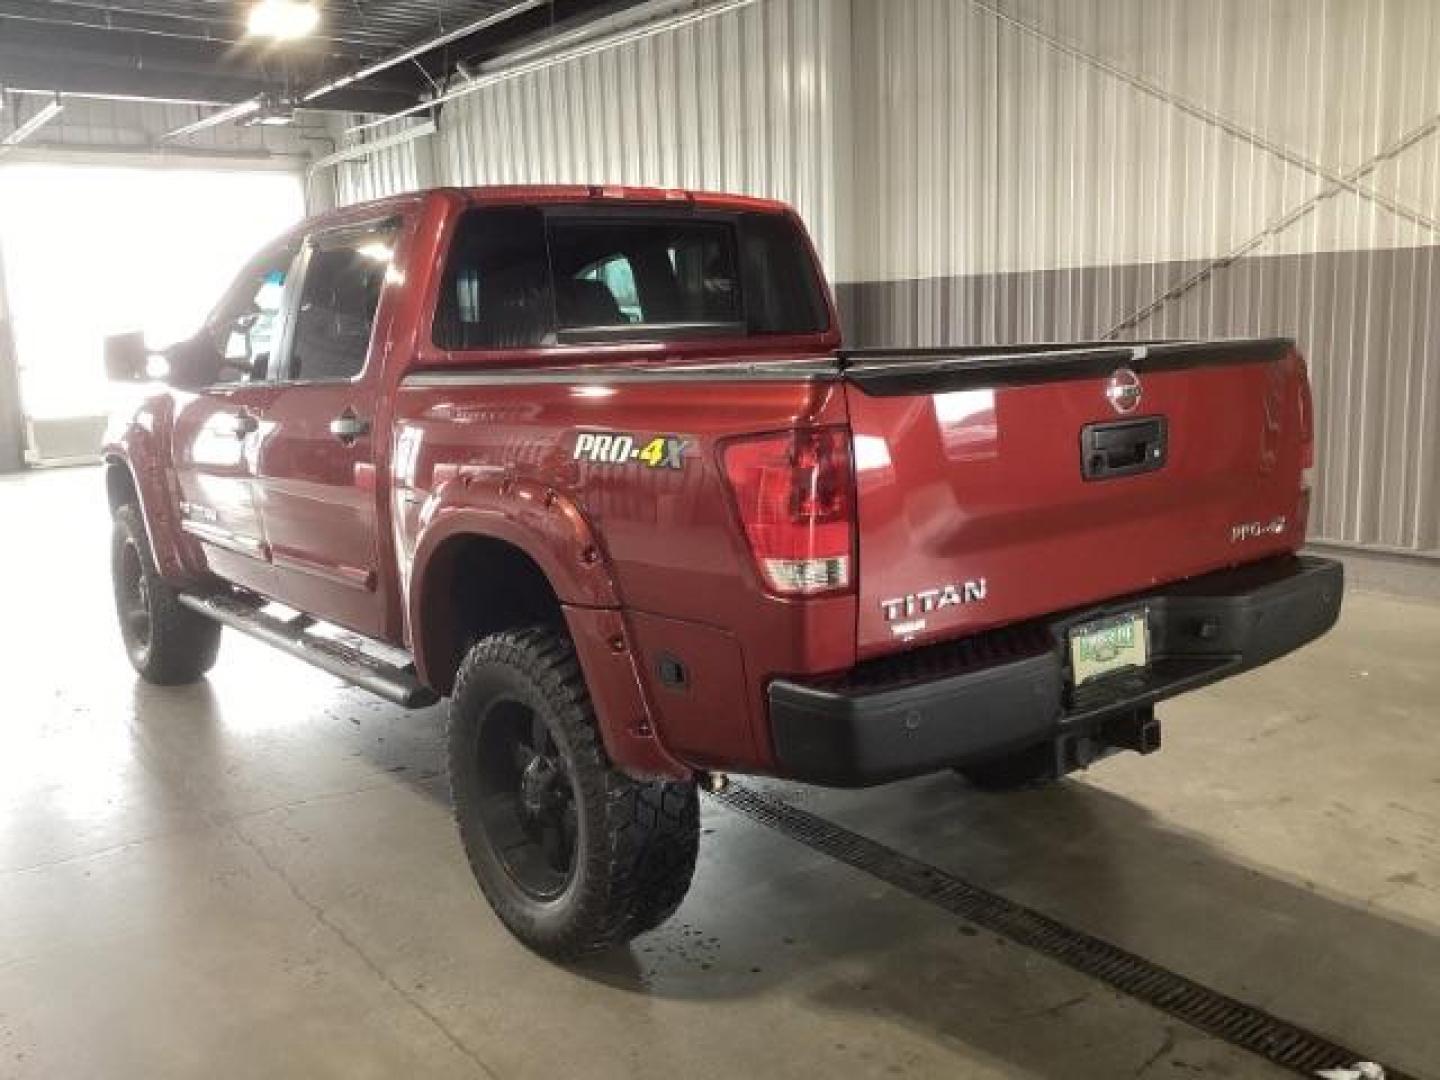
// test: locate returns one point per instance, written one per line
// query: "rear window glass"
(516, 277)
(626, 272)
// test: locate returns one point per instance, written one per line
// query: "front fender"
(140, 445)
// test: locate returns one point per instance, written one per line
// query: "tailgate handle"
(1122, 448)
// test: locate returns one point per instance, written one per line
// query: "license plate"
(1106, 645)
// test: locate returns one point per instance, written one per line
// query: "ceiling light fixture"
(283, 20)
(274, 111)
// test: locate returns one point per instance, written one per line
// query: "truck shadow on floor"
(770, 918)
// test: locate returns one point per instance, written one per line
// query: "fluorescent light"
(236, 112)
(283, 20)
(48, 112)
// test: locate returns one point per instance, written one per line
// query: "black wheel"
(167, 643)
(1031, 767)
(573, 855)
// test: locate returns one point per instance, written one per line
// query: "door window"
(339, 296)
(246, 328)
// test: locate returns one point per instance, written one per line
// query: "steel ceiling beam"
(502, 71)
(418, 50)
(218, 28)
(82, 69)
(90, 17)
(363, 74)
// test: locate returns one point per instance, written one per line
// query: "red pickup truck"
(592, 463)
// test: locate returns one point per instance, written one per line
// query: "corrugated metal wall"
(739, 102)
(1061, 169)
(388, 171)
(742, 101)
(1057, 169)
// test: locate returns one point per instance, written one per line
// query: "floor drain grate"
(1208, 1010)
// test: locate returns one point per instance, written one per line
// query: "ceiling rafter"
(367, 56)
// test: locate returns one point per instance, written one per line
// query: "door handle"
(347, 427)
(245, 423)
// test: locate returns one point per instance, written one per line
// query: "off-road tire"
(634, 855)
(176, 645)
(1032, 767)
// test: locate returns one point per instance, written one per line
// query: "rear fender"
(538, 520)
(550, 529)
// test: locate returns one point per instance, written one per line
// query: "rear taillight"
(795, 494)
(1307, 430)
(1307, 449)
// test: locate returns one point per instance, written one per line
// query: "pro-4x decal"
(622, 448)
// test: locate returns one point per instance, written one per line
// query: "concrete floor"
(257, 876)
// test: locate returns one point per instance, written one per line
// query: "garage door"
(91, 250)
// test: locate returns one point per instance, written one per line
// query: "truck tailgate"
(999, 486)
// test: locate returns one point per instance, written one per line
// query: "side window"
(339, 296)
(496, 289)
(782, 292)
(246, 329)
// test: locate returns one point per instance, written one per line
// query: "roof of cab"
(601, 193)
(531, 194)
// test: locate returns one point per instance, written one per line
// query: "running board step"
(396, 684)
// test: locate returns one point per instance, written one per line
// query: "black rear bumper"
(977, 699)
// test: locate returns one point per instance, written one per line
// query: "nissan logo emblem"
(1123, 390)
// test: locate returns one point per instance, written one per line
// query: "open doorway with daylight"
(92, 250)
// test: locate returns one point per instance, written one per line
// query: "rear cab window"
(522, 277)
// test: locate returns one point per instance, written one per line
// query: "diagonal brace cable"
(1211, 117)
(1277, 226)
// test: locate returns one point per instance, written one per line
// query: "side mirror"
(195, 363)
(126, 357)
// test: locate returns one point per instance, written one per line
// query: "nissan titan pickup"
(594, 465)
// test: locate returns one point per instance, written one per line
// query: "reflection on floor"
(256, 876)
